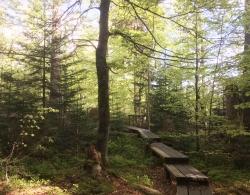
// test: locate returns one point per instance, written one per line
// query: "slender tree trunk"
(197, 96)
(148, 97)
(103, 80)
(246, 98)
(55, 74)
(135, 96)
(214, 77)
(44, 59)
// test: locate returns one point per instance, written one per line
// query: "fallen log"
(147, 190)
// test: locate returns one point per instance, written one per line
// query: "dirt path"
(122, 188)
(40, 190)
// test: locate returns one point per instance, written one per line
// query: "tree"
(55, 69)
(246, 69)
(103, 80)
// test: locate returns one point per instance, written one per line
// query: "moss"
(30, 187)
(89, 186)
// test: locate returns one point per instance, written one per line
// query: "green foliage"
(181, 141)
(168, 105)
(129, 160)
(90, 187)
(22, 183)
(147, 73)
(225, 159)
(127, 150)
(30, 187)
(138, 179)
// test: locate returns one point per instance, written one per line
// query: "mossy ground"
(129, 163)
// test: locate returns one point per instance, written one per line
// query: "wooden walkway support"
(136, 120)
(144, 133)
(170, 155)
(185, 174)
(186, 179)
(192, 190)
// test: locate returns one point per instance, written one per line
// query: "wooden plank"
(175, 175)
(198, 174)
(206, 190)
(149, 135)
(192, 173)
(181, 174)
(170, 155)
(182, 190)
(169, 150)
(194, 190)
(144, 133)
(174, 171)
(136, 128)
(160, 152)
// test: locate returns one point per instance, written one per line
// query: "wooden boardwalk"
(186, 179)
(144, 133)
(170, 155)
(183, 174)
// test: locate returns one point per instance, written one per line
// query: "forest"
(125, 97)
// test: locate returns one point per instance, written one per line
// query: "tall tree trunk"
(55, 74)
(148, 97)
(103, 80)
(44, 58)
(246, 98)
(214, 78)
(197, 96)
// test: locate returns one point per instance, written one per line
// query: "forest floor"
(119, 187)
(129, 166)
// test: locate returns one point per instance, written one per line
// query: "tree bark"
(246, 98)
(211, 100)
(55, 72)
(44, 58)
(103, 81)
(197, 95)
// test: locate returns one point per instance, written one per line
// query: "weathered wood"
(181, 190)
(144, 133)
(191, 190)
(206, 190)
(136, 128)
(194, 190)
(147, 190)
(149, 135)
(170, 155)
(185, 174)
(186, 179)
(192, 174)
(174, 172)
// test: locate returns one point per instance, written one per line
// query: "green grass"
(30, 186)
(65, 174)
(129, 159)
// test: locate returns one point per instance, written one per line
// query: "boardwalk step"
(149, 135)
(186, 174)
(170, 155)
(136, 129)
(192, 190)
(144, 133)
(186, 179)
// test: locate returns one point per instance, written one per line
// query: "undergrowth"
(63, 173)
